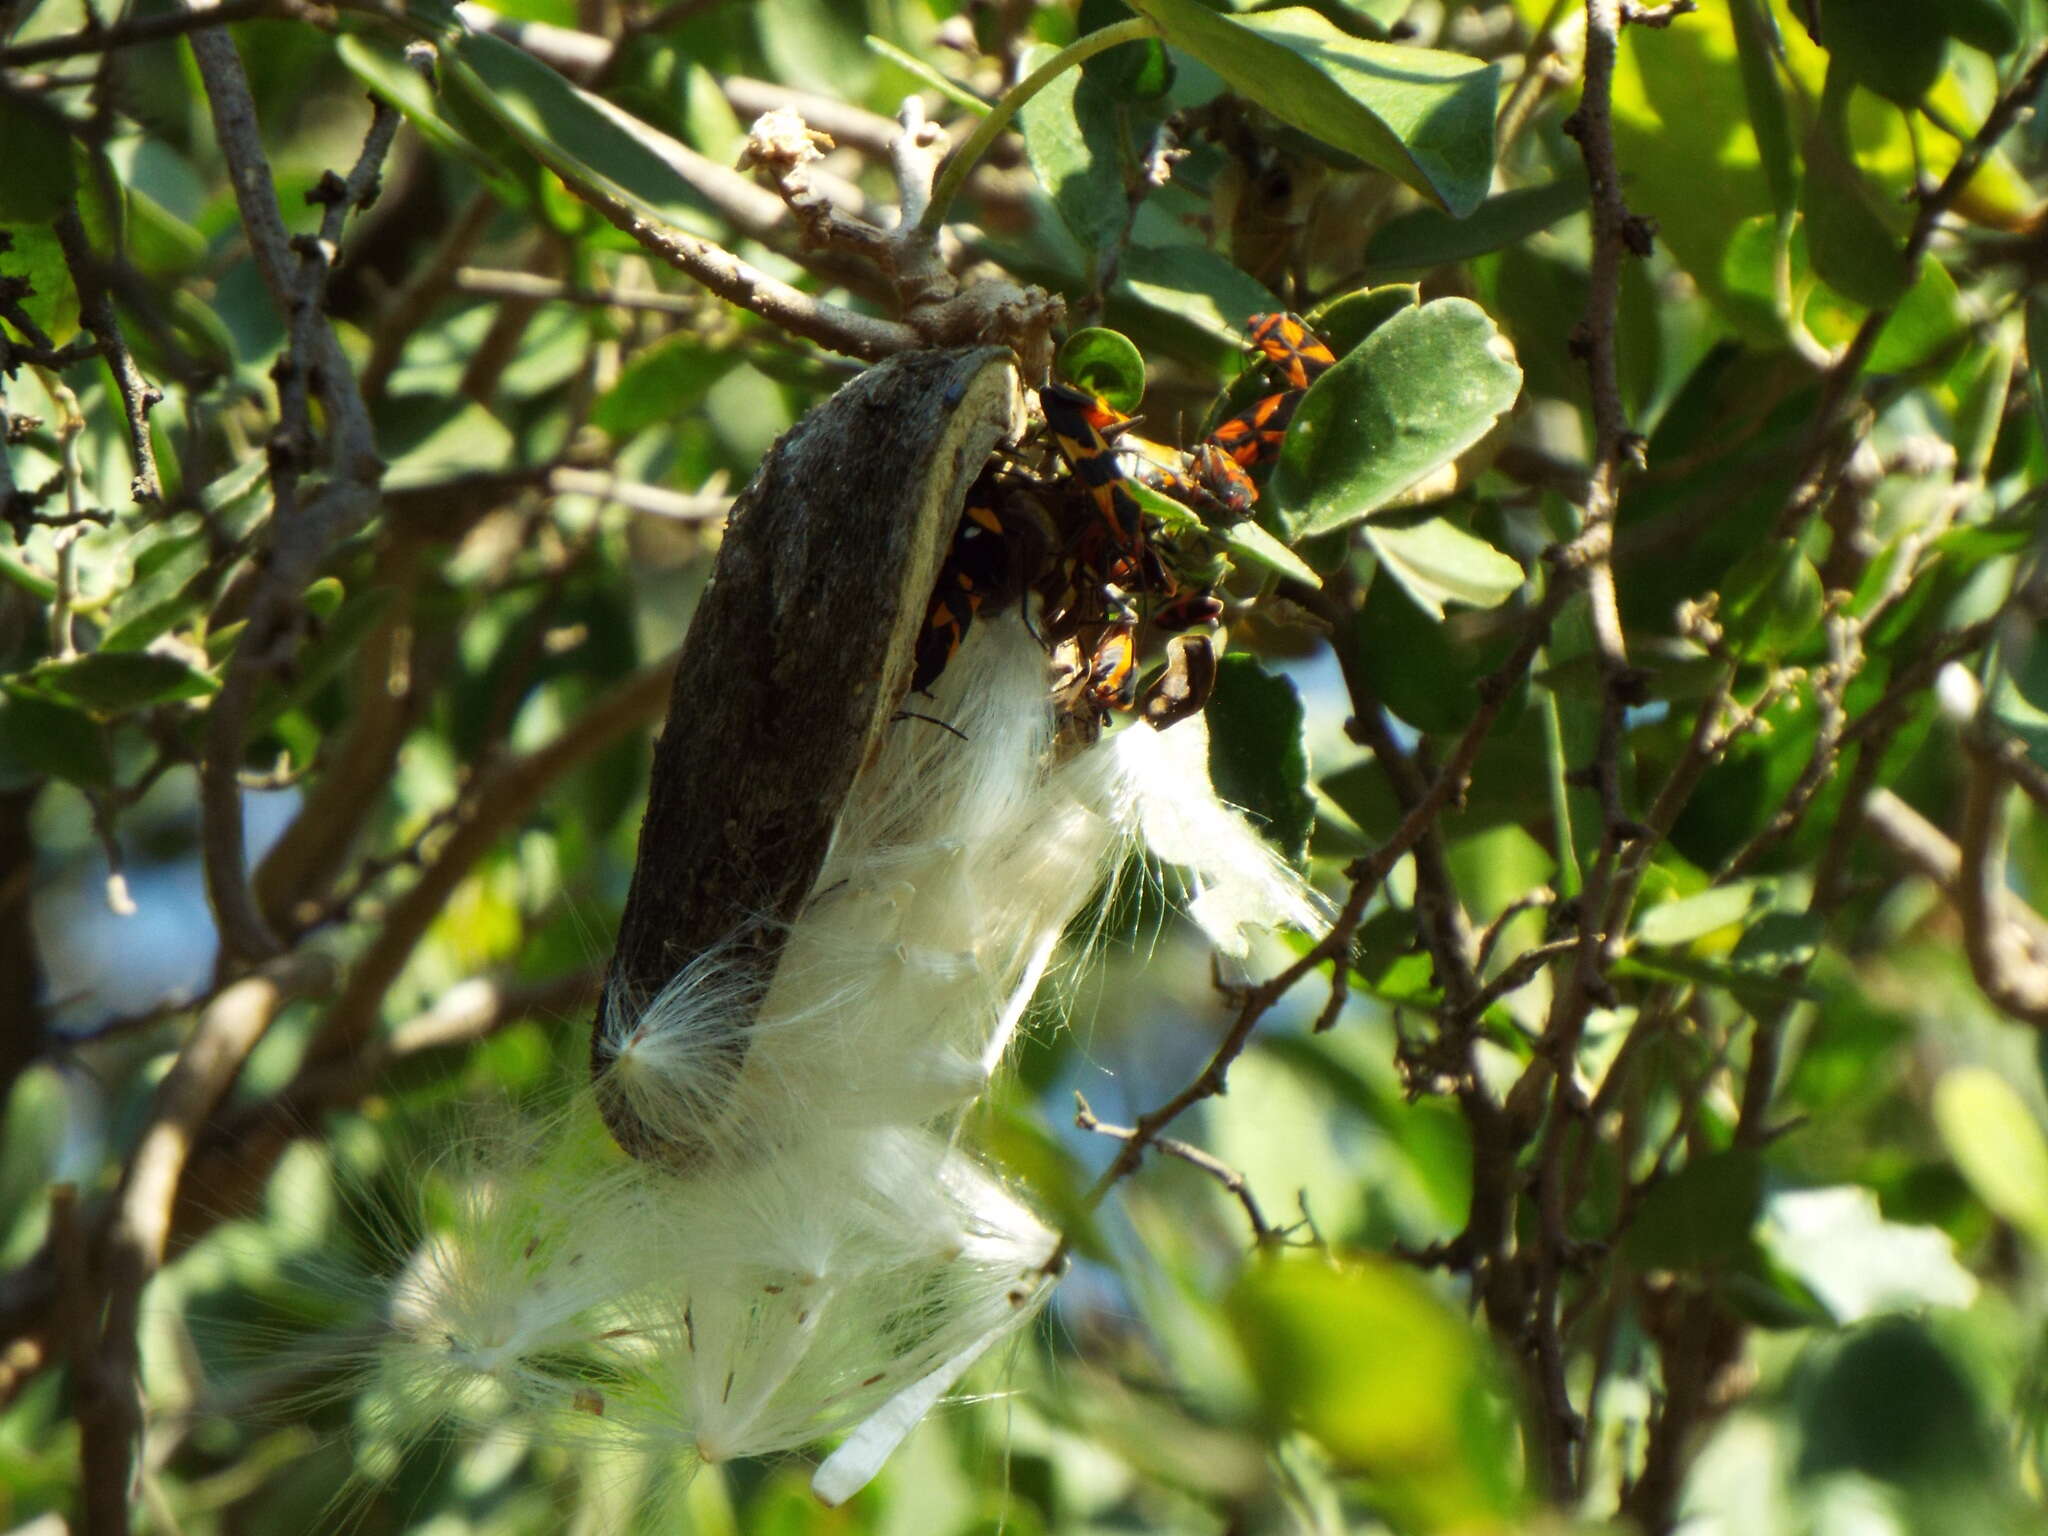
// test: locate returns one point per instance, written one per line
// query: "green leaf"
(1756, 39)
(1417, 392)
(467, 439)
(1852, 247)
(163, 595)
(52, 301)
(19, 575)
(1700, 1217)
(1997, 1145)
(1429, 237)
(1176, 517)
(1892, 1405)
(1838, 1244)
(1256, 755)
(2037, 357)
(1777, 944)
(1074, 137)
(1424, 116)
(1690, 918)
(2017, 713)
(662, 382)
(918, 69)
(707, 119)
(1982, 24)
(1771, 601)
(324, 598)
(1437, 562)
(1419, 665)
(392, 80)
(1980, 410)
(36, 178)
(1391, 1382)
(1105, 363)
(111, 683)
(816, 45)
(1139, 72)
(575, 134)
(1195, 286)
(42, 738)
(1252, 544)
(1894, 47)
(1929, 316)
(1344, 323)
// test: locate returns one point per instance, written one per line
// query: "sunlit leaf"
(1105, 363)
(1423, 115)
(1692, 918)
(1998, 1145)
(1437, 562)
(1391, 1382)
(1419, 390)
(1858, 1264)
(1075, 139)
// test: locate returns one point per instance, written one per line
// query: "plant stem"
(976, 144)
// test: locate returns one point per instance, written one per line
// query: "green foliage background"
(1548, 1264)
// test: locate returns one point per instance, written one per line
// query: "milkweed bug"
(1290, 346)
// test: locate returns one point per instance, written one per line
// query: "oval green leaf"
(1252, 544)
(1701, 1216)
(1072, 134)
(1423, 116)
(1388, 1379)
(1852, 248)
(1997, 1144)
(1256, 755)
(111, 683)
(1437, 562)
(1421, 389)
(1194, 286)
(1691, 918)
(1106, 363)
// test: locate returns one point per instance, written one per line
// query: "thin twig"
(136, 30)
(531, 285)
(300, 533)
(1827, 453)
(1230, 1178)
(739, 282)
(96, 311)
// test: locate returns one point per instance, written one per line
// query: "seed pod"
(795, 659)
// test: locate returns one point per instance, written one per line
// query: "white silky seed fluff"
(834, 1264)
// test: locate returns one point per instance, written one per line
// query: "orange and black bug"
(1291, 347)
(1078, 421)
(1223, 481)
(1253, 436)
(997, 552)
(1187, 611)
